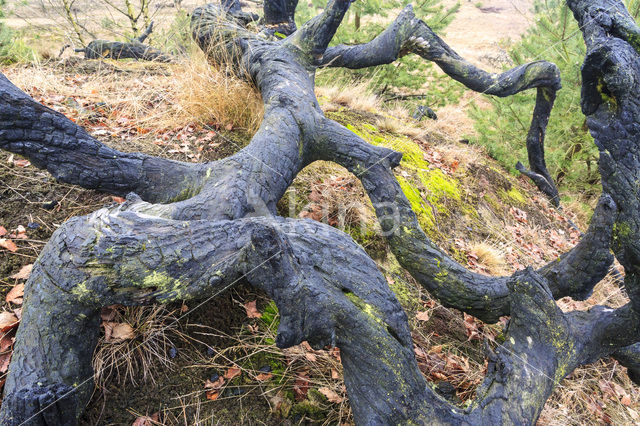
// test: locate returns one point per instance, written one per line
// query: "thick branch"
(573, 274)
(53, 142)
(408, 34)
(99, 49)
(315, 35)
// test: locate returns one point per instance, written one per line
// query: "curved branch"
(408, 34)
(574, 274)
(99, 49)
(315, 35)
(53, 142)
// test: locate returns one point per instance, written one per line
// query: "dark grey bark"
(279, 16)
(187, 231)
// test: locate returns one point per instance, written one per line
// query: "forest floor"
(217, 363)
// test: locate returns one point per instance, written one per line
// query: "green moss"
(440, 185)
(607, 98)
(412, 154)
(621, 230)
(158, 280)
(516, 195)
(421, 208)
(372, 312)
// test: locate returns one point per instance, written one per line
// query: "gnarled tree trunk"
(189, 230)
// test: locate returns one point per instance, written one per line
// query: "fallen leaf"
(334, 374)
(3, 231)
(212, 395)
(118, 200)
(471, 327)
(232, 372)
(436, 349)
(301, 387)
(8, 244)
(146, 420)
(263, 377)
(117, 331)
(626, 400)
(252, 311)
(422, 316)
(310, 357)
(23, 273)
(6, 343)
(107, 313)
(22, 162)
(331, 395)
(15, 295)
(7, 321)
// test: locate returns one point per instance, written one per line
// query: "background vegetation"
(571, 155)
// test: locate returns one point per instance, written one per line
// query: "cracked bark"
(187, 231)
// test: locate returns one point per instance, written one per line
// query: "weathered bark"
(279, 16)
(217, 224)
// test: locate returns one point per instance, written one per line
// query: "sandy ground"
(480, 30)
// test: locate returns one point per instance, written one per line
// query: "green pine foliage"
(410, 74)
(570, 152)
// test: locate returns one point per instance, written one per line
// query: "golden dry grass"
(490, 257)
(207, 95)
(355, 96)
(142, 352)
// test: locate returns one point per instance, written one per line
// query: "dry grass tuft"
(490, 257)
(358, 97)
(206, 94)
(123, 360)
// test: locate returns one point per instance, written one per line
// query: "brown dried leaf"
(15, 295)
(21, 162)
(3, 231)
(232, 372)
(331, 395)
(7, 321)
(252, 311)
(212, 395)
(108, 313)
(263, 377)
(301, 387)
(147, 420)
(24, 273)
(8, 244)
(118, 331)
(334, 374)
(5, 360)
(422, 316)
(5, 352)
